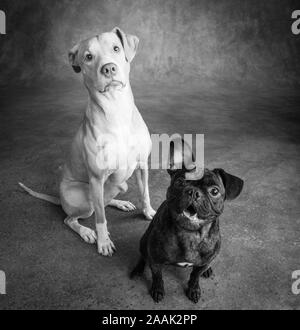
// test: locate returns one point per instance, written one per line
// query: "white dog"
(111, 133)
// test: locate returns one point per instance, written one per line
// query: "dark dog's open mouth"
(191, 209)
(190, 212)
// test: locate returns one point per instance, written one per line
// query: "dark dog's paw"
(193, 294)
(208, 273)
(157, 293)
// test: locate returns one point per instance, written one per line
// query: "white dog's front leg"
(142, 182)
(105, 245)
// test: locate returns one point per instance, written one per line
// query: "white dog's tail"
(45, 197)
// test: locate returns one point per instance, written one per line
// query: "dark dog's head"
(192, 203)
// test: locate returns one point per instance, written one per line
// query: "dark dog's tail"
(48, 198)
(139, 268)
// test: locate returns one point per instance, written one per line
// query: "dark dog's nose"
(197, 194)
(190, 192)
(109, 70)
(194, 193)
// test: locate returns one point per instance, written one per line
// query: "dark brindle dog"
(185, 229)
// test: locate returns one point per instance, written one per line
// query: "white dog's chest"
(118, 146)
(122, 152)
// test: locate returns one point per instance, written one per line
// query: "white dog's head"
(104, 60)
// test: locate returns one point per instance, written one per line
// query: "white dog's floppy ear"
(73, 58)
(232, 184)
(129, 43)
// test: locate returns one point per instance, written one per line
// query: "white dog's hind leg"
(122, 205)
(75, 202)
(87, 234)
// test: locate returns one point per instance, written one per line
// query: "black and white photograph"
(149, 157)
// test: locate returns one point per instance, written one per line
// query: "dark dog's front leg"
(139, 268)
(157, 290)
(193, 291)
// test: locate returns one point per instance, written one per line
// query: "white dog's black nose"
(109, 70)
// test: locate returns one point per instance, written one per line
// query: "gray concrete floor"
(250, 133)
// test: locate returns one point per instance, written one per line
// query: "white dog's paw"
(106, 247)
(149, 212)
(123, 205)
(88, 235)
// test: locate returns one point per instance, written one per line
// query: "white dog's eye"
(214, 191)
(88, 57)
(116, 49)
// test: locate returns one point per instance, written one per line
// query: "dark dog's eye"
(88, 57)
(116, 49)
(214, 191)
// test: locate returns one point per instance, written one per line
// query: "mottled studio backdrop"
(228, 69)
(231, 41)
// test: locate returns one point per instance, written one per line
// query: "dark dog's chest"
(197, 248)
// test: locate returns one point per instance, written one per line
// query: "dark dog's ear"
(175, 158)
(232, 184)
(73, 58)
(181, 158)
(129, 43)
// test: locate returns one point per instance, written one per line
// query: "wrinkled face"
(104, 60)
(197, 200)
(192, 203)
